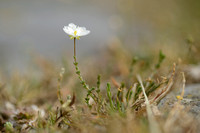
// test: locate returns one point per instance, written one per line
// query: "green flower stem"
(75, 49)
(90, 91)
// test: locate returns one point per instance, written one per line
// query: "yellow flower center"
(75, 32)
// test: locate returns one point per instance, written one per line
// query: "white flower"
(75, 31)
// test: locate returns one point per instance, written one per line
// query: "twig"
(180, 97)
(154, 127)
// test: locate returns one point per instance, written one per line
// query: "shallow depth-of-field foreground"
(115, 92)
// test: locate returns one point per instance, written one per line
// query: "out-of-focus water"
(35, 26)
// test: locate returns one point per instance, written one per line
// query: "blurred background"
(128, 37)
(31, 28)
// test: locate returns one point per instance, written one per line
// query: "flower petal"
(81, 31)
(73, 26)
(68, 30)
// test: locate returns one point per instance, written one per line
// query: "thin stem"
(154, 127)
(84, 84)
(94, 97)
(75, 48)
